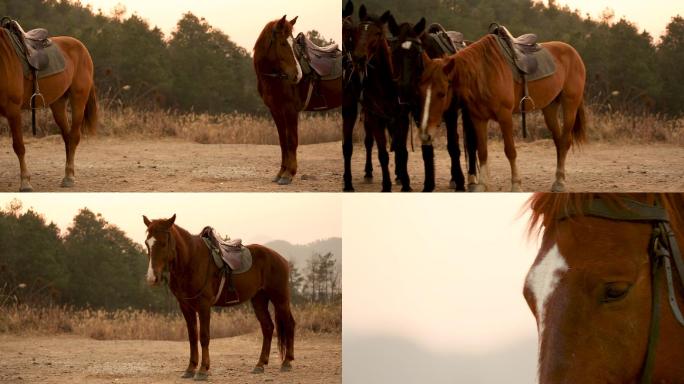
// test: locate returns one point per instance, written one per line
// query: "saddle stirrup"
(32, 101)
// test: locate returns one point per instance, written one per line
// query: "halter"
(662, 250)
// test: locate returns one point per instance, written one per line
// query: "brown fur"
(283, 96)
(75, 85)
(587, 340)
(195, 280)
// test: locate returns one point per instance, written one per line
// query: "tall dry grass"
(139, 324)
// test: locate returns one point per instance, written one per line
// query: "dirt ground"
(71, 359)
(128, 164)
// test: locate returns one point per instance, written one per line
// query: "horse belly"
(542, 92)
(52, 88)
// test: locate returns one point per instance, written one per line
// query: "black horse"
(408, 44)
(380, 102)
(350, 104)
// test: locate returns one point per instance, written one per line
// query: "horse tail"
(285, 326)
(90, 114)
(579, 130)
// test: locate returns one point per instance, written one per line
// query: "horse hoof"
(397, 181)
(348, 189)
(188, 375)
(258, 369)
(201, 376)
(286, 367)
(452, 185)
(284, 181)
(406, 189)
(26, 188)
(276, 179)
(558, 187)
(67, 182)
(515, 187)
(386, 188)
(368, 179)
(477, 188)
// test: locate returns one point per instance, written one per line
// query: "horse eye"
(441, 95)
(615, 291)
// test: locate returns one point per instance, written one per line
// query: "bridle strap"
(627, 210)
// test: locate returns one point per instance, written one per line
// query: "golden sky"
(242, 20)
(254, 217)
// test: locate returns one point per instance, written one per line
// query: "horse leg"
(470, 144)
(377, 126)
(506, 124)
(551, 119)
(349, 113)
(401, 152)
(291, 122)
(14, 121)
(481, 134)
(260, 305)
(191, 322)
(428, 161)
(79, 98)
(457, 181)
(570, 108)
(368, 143)
(204, 319)
(282, 139)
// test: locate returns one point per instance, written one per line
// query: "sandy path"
(71, 359)
(118, 164)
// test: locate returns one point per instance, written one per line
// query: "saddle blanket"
(546, 64)
(56, 65)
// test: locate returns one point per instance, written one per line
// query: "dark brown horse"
(194, 279)
(73, 85)
(607, 288)
(284, 90)
(481, 77)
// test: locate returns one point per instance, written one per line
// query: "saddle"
(522, 48)
(449, 41)
(230, 250)
(326, 62)
(33, 43)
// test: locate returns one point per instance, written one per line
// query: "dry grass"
(316, 128)
(138, 324)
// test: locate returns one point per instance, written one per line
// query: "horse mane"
(547, 207)
(475, 66)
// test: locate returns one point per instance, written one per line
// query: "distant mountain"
(298, 254)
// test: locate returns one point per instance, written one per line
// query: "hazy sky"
(242, 20)
(254, 217)
(447, 273)
(652, 15)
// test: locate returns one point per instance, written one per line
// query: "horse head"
(274, 52)
(407, 62)
(161, 247)
(369, 36)
(435, 91)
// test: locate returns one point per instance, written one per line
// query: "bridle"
(663, 251)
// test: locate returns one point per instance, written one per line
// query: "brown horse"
(284, 90)
(482, 78)
(74, 85)
(194, 279)
(599, 285)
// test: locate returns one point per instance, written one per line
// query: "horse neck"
(380, 70)
(472, 76)
(187, 252)
(6, 49)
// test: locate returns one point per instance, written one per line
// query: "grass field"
(317, 128)
(131, 324)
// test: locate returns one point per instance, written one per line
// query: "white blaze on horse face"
(406, 45)
(150, 272)
(543, 279)
(299, 67)
(426, 108)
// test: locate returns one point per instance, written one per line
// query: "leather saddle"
(323, 60)
(449, 41)
(33, 43)
(230, 250)
(521, 48)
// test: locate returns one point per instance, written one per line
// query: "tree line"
(627, 69)
(94, 264)
(196, 69)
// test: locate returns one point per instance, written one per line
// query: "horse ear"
(293, 21)
(385, 17)
(419, 28)
(281, 23)
(146, 221)
(426, 59)
(449, 67)
(348, 9)
(171, 220)
(363, 13)
(393, 27)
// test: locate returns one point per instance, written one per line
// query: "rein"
(663, 250)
